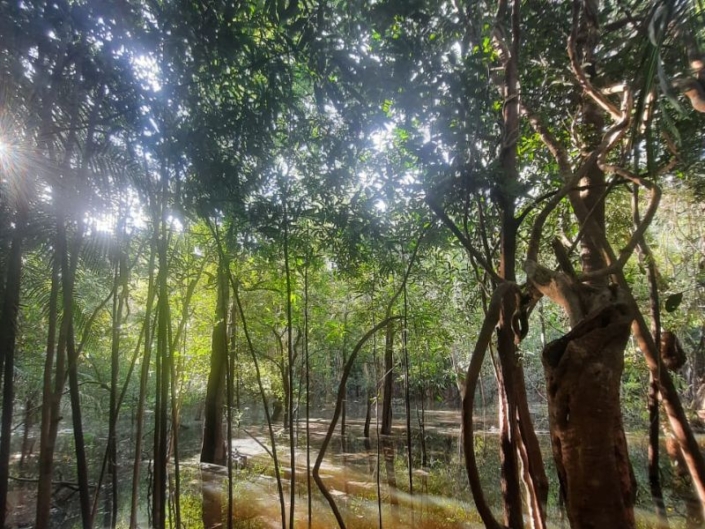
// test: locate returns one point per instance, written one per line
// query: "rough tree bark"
(583, 371)
(583, 367)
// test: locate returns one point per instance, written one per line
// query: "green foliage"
(212, 128)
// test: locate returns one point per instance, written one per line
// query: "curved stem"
(483, 340)
(336, 415)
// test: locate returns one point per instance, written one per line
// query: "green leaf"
(673, 301)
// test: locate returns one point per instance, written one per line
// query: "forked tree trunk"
(583, 368)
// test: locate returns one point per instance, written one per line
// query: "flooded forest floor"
(368, 478)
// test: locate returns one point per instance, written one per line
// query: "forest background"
(224, 213)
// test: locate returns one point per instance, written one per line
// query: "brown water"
(368, 479)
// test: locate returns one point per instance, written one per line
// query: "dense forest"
(394, 263)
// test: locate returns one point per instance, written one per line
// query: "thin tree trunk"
(81, 459)
(118, 309)
(175, 437)
(28, 424)
(422, 426)
(388, 380)
(159, 484)
(378, 479)
(671, 400)
(343, 413)
(307, 359)
(45, 450)
(290, 369)
(389, 456)
(229, 399)
(8, 338)
(508, 431)
(530, 451)
(263, 396)
(693, 509)
(407, 397)
(342, 390)
(368, 401)
(68, 260)
(653, 453)
(653, 393)
(144, 377)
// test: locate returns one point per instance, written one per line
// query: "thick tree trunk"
(213, 449)
(583, 368)
(583, 371)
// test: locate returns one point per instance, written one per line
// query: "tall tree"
(213, 449)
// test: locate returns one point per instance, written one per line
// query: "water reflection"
(367, 476)
(351, 474)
